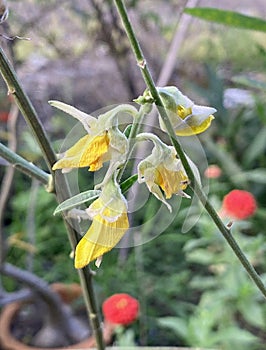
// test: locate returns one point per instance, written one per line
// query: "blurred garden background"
(192, 290)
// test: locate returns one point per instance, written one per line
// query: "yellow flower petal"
(101, 237)
(171, 182)
(87, 152)
(189, 130)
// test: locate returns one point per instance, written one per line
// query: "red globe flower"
(121, 309)
(213, 172)
(239, 204)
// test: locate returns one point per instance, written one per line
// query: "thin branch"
(169, 65)
(24, 166)
(171, 133)
(63, 193)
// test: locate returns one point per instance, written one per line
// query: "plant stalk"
(144, 109)
(38, 132)
(171, 133)
(24, 166)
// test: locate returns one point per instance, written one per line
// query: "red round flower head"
(239, 204)
(213, 172)
(121, 309)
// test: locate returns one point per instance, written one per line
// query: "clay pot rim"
(9, 342)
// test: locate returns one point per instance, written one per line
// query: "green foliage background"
(192, 290)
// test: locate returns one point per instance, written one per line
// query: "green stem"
(194, 184)
(144, 109)
(62, 192)
(24, 166)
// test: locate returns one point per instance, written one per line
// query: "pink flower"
(121, 309)
(213, 172)
(239, 204)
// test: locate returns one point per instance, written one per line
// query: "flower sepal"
(145, 98)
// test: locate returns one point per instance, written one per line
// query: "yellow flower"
(109, 224)
(186, 117)
(162, 170)
(102, 143)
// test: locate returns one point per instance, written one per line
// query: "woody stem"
(33, 121)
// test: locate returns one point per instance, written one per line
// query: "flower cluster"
(162, 171)
(120, 309)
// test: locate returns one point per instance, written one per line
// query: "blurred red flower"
(239, 204)
(121, 309)
(4, 116)
(213, 172)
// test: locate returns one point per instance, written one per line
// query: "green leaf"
(250, 83)
(253, 313)
(229, 18)
(91, 195)
(257, 175)
(83, 197)
(127, 130)
(176, 324)
(200, 256)
(235, 335)
(125, 186)
(257, 147)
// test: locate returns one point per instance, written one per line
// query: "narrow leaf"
(74, 201)
(257, 175)
(256, 147)
(228, 18)
(127, 130)
(251, 83)
(125, 186)
(91, 195)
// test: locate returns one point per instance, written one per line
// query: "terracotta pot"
(68, 294)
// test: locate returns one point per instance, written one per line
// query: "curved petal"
(101, 237)
(87, 152)
(171, 182)
(193, 126)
